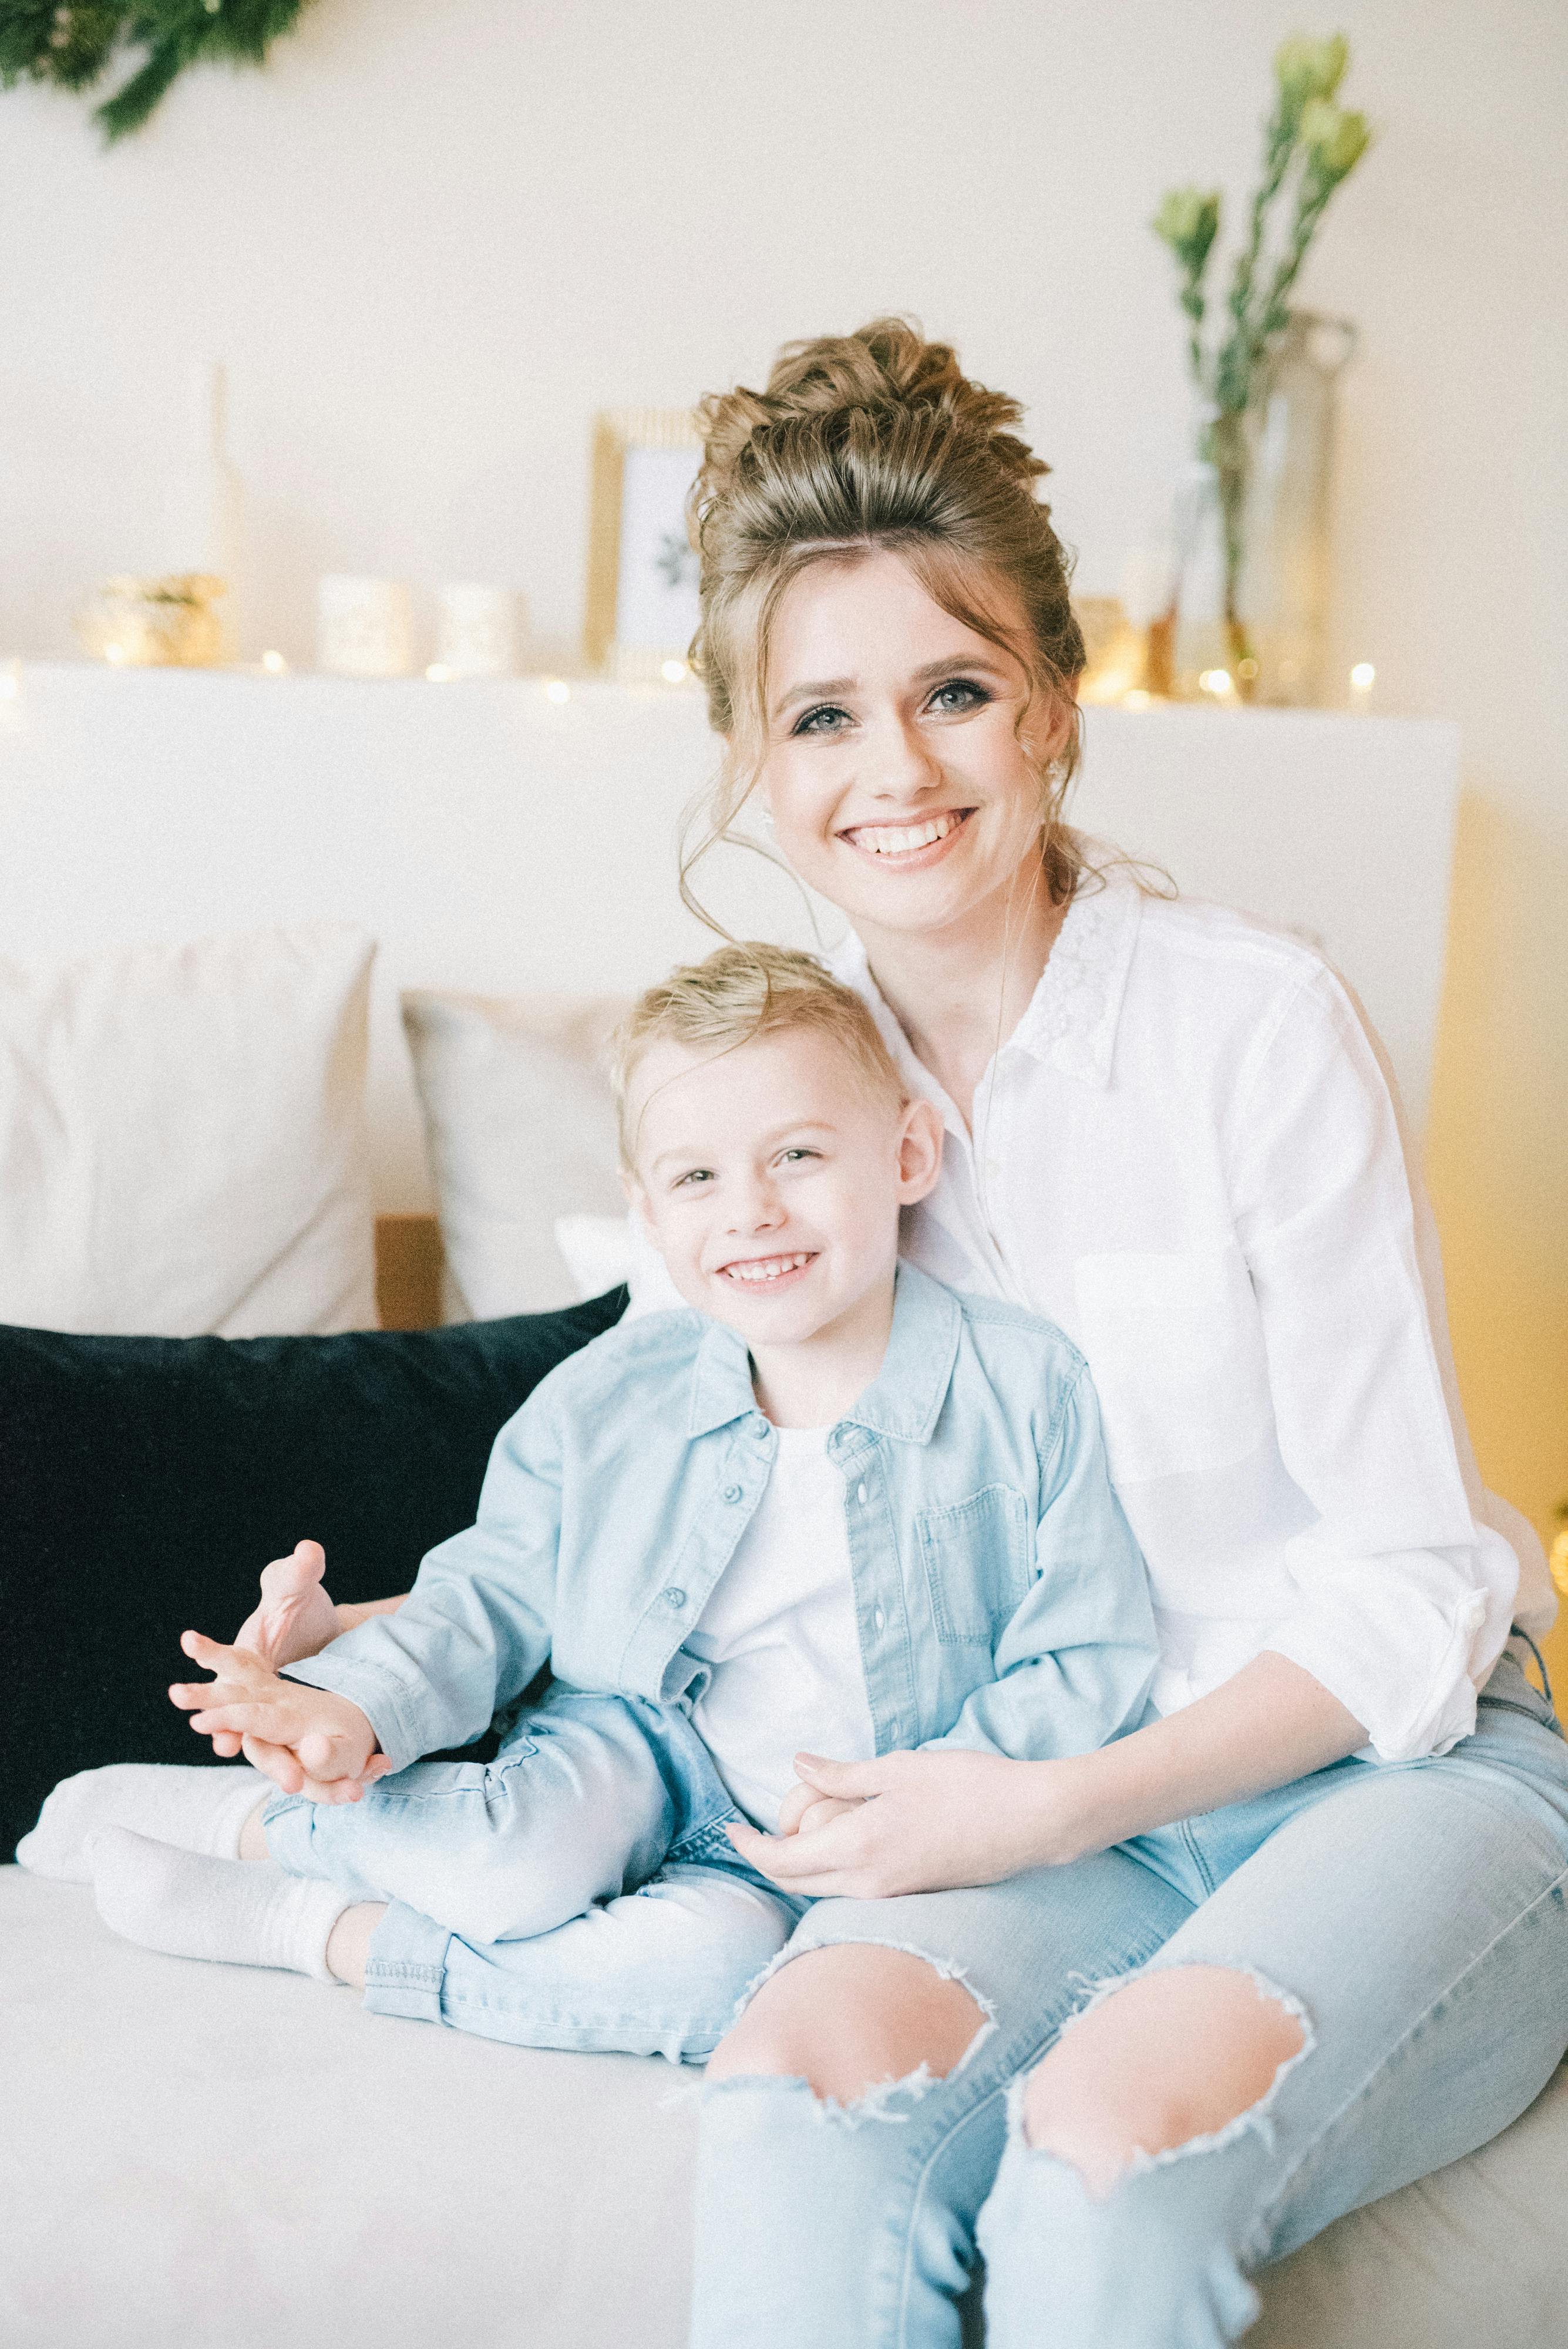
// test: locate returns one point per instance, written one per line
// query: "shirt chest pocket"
(1175, 1346)
(976, 1556)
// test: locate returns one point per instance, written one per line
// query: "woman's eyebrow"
(821, 691)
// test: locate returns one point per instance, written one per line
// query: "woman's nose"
(899, 761)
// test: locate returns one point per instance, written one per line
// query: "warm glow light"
(273, 664)
(114, 654)
(1136, 700)
(439, 673)
(10, 681)
(1362, 676)
(1214, 680)
(673, 672)
(557, 691)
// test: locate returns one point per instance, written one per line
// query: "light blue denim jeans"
(1414, 1915)
(578, 1891)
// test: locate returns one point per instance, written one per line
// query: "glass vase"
(1284, 584)
(1252, 529)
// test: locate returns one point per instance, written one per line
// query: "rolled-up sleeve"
(477, 1625)
(1074, 1661)
(1405, 1595)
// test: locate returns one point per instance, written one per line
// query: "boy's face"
(770, 1178)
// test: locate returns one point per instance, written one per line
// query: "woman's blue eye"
(968, 694)
(824, 719)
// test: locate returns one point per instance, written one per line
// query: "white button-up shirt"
(1187, 1154)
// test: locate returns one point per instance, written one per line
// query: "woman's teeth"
(897, 839)
(760, 1268)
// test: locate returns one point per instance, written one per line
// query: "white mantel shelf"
(496, 840)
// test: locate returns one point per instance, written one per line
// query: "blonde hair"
(875, 439)
(738, 994)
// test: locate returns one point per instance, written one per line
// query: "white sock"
(197, 1807)
(242, 1912)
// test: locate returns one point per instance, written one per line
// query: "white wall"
(437, 234)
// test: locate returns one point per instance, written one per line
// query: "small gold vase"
(155, 622)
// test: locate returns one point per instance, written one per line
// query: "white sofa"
(202, 2157)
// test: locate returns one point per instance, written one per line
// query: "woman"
(1344, 1828)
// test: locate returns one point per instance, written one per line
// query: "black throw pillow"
(145, 1482)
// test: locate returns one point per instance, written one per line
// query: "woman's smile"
(914, 844)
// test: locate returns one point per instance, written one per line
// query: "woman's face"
(895, 774)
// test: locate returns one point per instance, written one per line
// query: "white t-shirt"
(780, 1637)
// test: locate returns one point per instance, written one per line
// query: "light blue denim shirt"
(1000, 1598)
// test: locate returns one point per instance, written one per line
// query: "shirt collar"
(904, 1400)
(1071, 1017)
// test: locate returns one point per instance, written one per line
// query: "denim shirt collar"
(904, 1400)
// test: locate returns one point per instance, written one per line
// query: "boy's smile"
(770, 1177)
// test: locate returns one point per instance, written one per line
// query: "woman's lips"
(906, 847)
(760, 1275)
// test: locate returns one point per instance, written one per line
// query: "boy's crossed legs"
(578, 1891)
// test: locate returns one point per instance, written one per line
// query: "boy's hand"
(308, 1740)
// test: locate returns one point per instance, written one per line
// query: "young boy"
(833, 1507)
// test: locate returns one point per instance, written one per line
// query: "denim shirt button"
(860, 1495)
(880, 1619)
(759, 1427)
(732, 1491)
(674, 1597)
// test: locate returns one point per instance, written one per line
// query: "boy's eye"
(693, 1176)
(792, 1156)
(958, 693)
(825, 718)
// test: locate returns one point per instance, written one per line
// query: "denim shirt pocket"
(976, 1556)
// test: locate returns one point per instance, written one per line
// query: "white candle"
(364, 627)
(476, 631)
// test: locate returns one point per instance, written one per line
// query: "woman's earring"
(765, 818)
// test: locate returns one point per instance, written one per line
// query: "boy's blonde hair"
(740, 993)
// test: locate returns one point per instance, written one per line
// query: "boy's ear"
(919, 1152)
(637, 1200)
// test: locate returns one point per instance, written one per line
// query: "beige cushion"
(198, 2155)
(183, 1138)
(521, 1127)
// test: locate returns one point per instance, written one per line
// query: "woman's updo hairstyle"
(875, 439)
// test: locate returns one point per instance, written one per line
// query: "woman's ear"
(919, 1152)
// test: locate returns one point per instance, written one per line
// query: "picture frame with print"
(640, 611)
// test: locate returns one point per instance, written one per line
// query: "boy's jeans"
(578, 1891)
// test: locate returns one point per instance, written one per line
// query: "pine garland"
(73, 43)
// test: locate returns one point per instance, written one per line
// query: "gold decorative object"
(641, 607)
(155, 622)
(1117, 653)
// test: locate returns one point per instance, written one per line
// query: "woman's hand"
(920, 1822)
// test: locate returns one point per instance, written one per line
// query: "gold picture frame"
(639, 609)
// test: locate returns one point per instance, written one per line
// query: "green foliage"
(1310, 144)
(72, 43)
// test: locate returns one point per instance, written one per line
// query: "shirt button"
(674, 1597)
(759, 1427)
(732, 1491)
(880, 1619)
(860, 1495)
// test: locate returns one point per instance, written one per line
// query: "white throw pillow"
(602, 1251)
(183, 1138)
(521, 1124)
